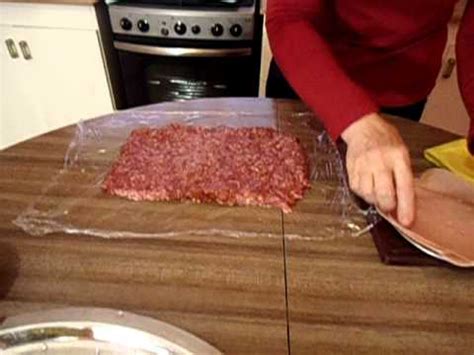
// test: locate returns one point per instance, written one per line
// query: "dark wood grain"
(228, 291)
(231, 291)
(342, 299)
(393, 249)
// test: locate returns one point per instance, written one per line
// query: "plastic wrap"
(73, 202)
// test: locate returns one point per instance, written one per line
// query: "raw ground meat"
(228, 166)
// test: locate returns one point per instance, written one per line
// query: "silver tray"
(95, 331)
(423, 248)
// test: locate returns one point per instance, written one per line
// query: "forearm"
(307, 62)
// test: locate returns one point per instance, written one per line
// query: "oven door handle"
(183, 51)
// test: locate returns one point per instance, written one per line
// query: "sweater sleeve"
(465, 58)
(308, 64)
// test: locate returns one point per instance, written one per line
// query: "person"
(351, 60)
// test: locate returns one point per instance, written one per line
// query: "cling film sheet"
(74, 202)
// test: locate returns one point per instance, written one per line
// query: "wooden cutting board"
(393, 249)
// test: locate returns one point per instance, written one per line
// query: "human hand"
(378, 165)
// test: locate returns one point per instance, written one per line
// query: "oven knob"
(180, 28)
(126, 24)
(143, 25)
(217, 30)
(236, 30)
(165, 32)
(196, 29)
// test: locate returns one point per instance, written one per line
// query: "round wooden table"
(242, 295)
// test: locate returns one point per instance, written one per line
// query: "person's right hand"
(378, 165)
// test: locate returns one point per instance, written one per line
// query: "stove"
(185, 49)
(184, 22)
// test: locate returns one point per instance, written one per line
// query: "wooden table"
(242, 295)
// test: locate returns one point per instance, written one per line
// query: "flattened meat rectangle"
(228, 166)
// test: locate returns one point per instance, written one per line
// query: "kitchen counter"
(242, 295)
(59, 2)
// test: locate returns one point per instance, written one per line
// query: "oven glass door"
(154, 74)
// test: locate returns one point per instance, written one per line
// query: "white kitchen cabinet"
(15, 103)
(64, 81)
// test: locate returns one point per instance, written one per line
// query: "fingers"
(405, 192)
(385, 195)
(378, 166)
(366, 187)
(386, 182)
(376, 188)
(362, 183)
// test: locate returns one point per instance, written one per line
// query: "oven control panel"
(190, 24)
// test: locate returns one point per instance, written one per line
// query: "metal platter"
(95, 331)
(424, 249)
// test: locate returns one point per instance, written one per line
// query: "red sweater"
(346, 58)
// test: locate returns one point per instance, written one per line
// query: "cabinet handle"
(448, 69)
(11, 48)
(25, 50)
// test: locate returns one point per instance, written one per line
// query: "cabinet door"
(64, 81)
(17, 106)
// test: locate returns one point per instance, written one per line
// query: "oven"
(186, 49)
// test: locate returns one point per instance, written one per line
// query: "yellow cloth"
(453, 156)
